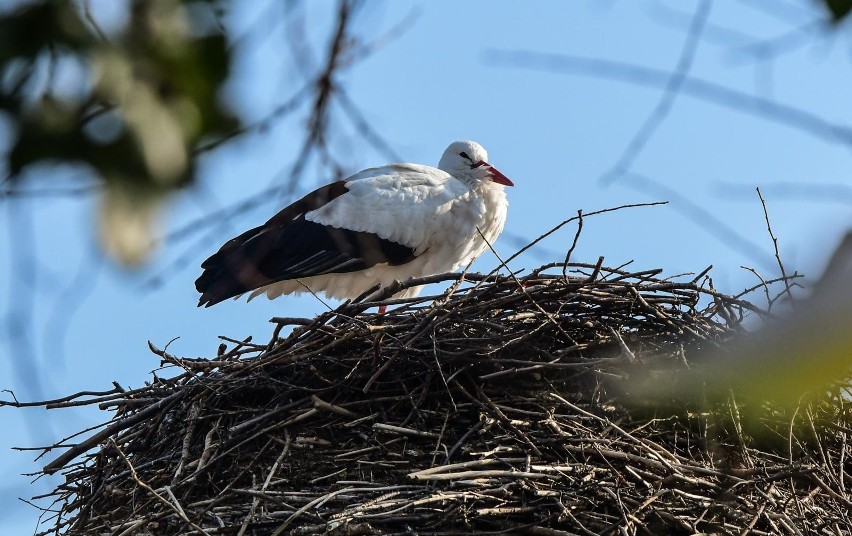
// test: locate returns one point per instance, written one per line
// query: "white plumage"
(382, 224)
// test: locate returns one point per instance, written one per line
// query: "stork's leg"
(382, 309)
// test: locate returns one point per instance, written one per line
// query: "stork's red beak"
(498, 177)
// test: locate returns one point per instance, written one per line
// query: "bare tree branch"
(667, 99)
(694, 211)
(775, 246)
(794, 191)
(783, 114)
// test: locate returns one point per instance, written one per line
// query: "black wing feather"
(290, 247)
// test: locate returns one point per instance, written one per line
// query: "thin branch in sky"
(20, 313)
(562, 224)
(538, 251)
(263, 25)
(573, 244)
(282, 110)
(789, 41)
(705, 219)
(717, 34)
(204, 231)
(41, 193)
(781, 10)
(323, 89)
(67, 303)
(783, 114)
(736, 41)
(217, 216)
(361, 51)
(325, 84)
(664, 105)
(775, 246)
(792, 191)
(364, 129)
(301, 51)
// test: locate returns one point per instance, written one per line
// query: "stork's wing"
(288, 246)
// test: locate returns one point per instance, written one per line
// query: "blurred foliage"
(800, 358)
(839, 8)
(131, 105)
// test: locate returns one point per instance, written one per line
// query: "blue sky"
(447, 77)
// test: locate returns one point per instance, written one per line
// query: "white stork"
(382, 224)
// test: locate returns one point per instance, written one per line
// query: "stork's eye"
(464, 155)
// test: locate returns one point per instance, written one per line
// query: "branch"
(775, 246)
(704, 90)
(667, 99)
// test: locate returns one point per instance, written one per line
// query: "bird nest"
(504, 405)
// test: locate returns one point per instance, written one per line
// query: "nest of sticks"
(503, 405)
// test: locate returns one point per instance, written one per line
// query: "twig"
(775, 247)
(573, 243)
(175, 506)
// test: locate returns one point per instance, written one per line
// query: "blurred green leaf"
(151, 93)
(804, 358)
(26, 31)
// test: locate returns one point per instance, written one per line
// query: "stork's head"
(468, 161)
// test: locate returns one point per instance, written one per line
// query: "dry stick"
(439, 442)
(263, 416)
(327, 406)
(775, 246)
(462, 465)
(132, 526)
(573, 244)
(538, 366)
(763, 283)
(790, 456)
(65, 400)
(441, 373)
(626, 352)
(841, 466)
(256, 499)
(490, 407)
(209, 504)
(475, 428)
(174, 506)
(523, 290)
(768, 498)
(194, 410)
(701, 274)
(569, 220)
(324, 498)
(833, 494)
(488, 473)
(404, 431)
(426, 324)
(648, 446)
(825, 461)
(596, 270)
(735, 417)
(736, 297)
(113, 428)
